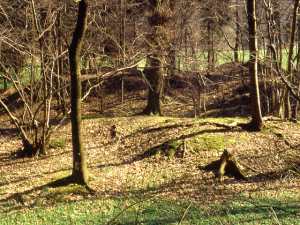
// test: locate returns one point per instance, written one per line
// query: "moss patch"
(57, 143)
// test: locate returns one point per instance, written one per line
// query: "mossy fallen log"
(227, 165)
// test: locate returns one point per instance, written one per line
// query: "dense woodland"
(149, 112)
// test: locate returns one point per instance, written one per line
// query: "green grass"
(57, 143)
(156, 211)
(216, 141)
(212, 142)
(223, 57)
(24, 75)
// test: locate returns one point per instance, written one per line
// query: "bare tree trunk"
(211, 50)
(298, 66)
(237, 34)
(278, 34)
(42, 149)
(80, 172)
(154, 75)
(123, 8)
(291, 48)
(256, 122)
(154, 71)
(60, 67)
(172, 61)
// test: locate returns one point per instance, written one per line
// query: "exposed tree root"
(251, 127)
(70, 180)
(29, 150)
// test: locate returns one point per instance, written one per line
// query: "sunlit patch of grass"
(217, 141)
(213, 142)
(223, 120)
(57, 143)
(223, 57)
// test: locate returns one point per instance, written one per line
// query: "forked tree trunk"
(257, 122)
(80, 172)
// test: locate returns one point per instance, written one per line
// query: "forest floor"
(155, 189)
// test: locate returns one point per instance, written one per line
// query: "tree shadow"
(8, 159)
(290, 171)
(151, 129)
(148, 152)
(29, 198)
(188, 189)
(9, 132)
(26, 178)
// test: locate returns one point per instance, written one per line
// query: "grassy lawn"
(154, 211)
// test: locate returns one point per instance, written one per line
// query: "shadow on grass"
(290, 171)
(145, 207)
(9, 159)
(29, 198)
(186, 125)
(26, 178)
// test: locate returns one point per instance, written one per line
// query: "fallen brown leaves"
(115, 169)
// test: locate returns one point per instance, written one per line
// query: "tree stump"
(227, 165)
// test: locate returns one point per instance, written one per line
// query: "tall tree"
(80, 172)
(214, 15)
(238, 38)
(256, 122)
(160, 13)
(291, 48)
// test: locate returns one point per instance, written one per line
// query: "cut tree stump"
(227, 165)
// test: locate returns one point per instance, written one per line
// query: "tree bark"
(154, 76)
(211, 51)
(237, 34)
(291, 50)
(80, 172)
(154, 71)
(256, 122)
